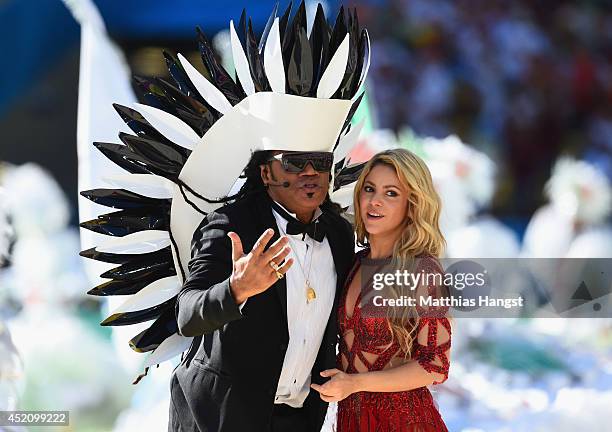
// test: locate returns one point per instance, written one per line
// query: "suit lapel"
(340, 253)
(266, 220)
(342, 256)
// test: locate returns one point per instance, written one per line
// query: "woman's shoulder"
(429, 262)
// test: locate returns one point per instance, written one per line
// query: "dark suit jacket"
(228, 379)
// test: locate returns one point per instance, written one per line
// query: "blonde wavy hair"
(421, 236)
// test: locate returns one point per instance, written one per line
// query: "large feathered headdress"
(192, 140)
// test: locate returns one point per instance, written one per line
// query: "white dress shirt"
(307, 321)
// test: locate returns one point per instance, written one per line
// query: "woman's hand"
(339, 387)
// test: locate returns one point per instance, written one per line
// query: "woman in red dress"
(387, 360)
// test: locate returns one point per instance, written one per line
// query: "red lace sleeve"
(432, 347)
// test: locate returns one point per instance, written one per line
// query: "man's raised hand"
(252, 273)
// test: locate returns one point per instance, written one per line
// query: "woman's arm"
(408, 376)
(429, 366)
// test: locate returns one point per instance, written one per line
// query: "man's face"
(305, 192)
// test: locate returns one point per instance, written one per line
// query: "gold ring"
(279, 275)
(274, 266)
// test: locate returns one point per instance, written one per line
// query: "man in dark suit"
(261, 301)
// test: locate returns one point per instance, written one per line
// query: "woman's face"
(383, 202)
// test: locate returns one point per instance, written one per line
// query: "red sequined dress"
(405, 411)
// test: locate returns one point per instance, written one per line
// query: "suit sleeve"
(349, 234)
(205, 302)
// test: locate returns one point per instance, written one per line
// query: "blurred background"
(508, 101)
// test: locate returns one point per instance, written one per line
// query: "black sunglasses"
(295, 162)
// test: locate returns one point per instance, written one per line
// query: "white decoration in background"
(137, 243)
(35, 202)
(81, 369)
(456, 207)
(11, 371)
(153, 294)
(579, 190)
(334, 73)
(548, 234)
(273, 60)
(595, 242)
(104, 79)
(169, 126)
(474, 240)
(580, 199)
(241, 63)
(207, 90)
(6, 231)
(473, 170)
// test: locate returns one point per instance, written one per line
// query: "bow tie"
(313, 229)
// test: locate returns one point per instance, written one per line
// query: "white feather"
(137, 243)
(169, 126)
(241, 63)
(334, 73)
(364, 70)
(348, 141)
(152, 295)
(169, 348)
(148, 185)
(273, 60)
(207, 90)
(474, 240)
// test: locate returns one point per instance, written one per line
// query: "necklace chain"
(310, 292)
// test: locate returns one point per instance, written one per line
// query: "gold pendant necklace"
(311, 294)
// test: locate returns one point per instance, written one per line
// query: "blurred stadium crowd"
(522, 80)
